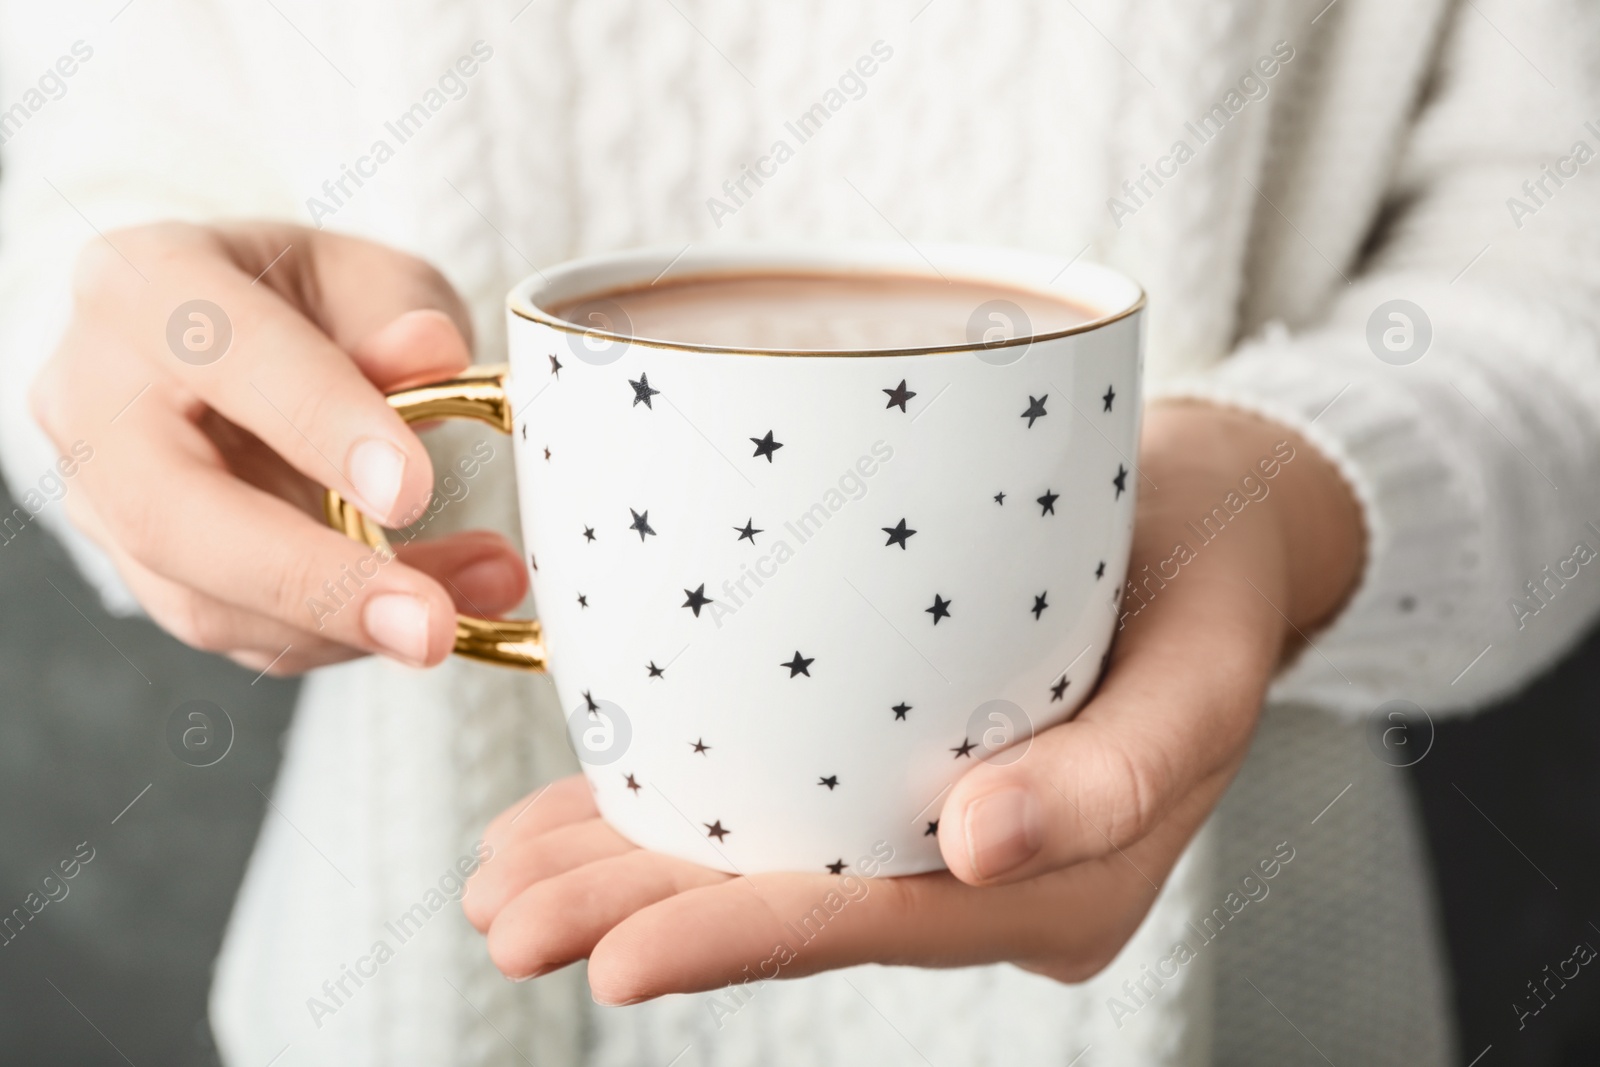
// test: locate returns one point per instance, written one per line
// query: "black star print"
(940, 609)
(714, 829)
(932, 830)
(897, 534)
(830, 781)
(655, 672)
(555, 366)
(532, 562)
(700, 746)
(642, 391)
(1121, 480)
(900, 709)
(1057, 690)
(524, 431)
(583, 601)
(748, 530)
(697, 599)
(1000, 498)
(799, 665)
(899, 395)
(547, 453)
(1039, 605)
(965, 749)
(1100, 571)
(765, 446)
(836, 867)
(633, 784)
(588, 533)
(1048, 502)
(1035, 409)
(641, 522)
(589, 702)
(1111, 394)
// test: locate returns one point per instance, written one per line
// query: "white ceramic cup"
(763, 668)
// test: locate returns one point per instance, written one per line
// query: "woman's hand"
(1055, 858)
(208, 463)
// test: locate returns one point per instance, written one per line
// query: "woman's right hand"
(206, 479)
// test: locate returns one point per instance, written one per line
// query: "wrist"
(1307, 540)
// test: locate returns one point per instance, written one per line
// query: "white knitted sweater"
(1395, 151)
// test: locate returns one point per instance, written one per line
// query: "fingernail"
(617, 1003)
(399, 623)
(376, 469)
(485, 579)
(1002, 831)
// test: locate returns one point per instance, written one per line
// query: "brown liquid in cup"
(823, 312)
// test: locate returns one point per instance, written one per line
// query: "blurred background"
(116, 972)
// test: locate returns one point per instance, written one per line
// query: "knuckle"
(1083, 962)
(101, 270)
(320, 414)
(290, 585)
(139, 527)
(1133, 788)
(93, 273)
(45, 398)
(198, 622)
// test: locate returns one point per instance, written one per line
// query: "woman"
(1332, 162)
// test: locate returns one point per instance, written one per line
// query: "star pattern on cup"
(898, 535)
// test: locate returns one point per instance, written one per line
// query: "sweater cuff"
(1408, 629)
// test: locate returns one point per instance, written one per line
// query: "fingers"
(478, 568)
(554, 922)
(566, 800)
(526, 861)
(207, 624)
(299, 572)
(790, 925)
(283, 375)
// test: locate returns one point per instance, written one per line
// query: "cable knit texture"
(1375, 163)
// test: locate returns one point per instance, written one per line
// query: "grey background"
(117, 972)
(82, 732)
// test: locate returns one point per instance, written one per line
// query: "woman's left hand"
(1054, 859)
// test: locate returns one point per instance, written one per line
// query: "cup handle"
(478, 394)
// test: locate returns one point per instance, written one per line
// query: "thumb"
(1173, 717)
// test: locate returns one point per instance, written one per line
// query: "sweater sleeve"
(1455, 380)
(104, 127)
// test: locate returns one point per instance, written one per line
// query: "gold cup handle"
(478, 394)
